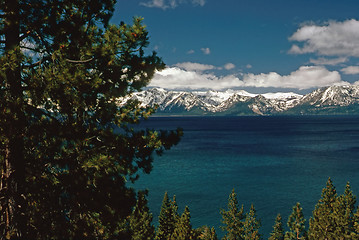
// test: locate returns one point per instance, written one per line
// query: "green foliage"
(323, 223)
(183, 229)
(140, 221)
(251, 225)
(296, 224)
(278, 230)
(345, 207)
(355, 233)
(344, 214)
(67, 148)
(233, 219)
(206, 233)
(167, 219)
(334, 217)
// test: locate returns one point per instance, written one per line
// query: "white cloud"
(206, 51)
(190, 66)
(351, 70)
(332, 39)
(229, 66)
(304, 78)
(166, 4)
(199, 2)
(190, 51)
(176, 78)
(329, 61)
(248, 66)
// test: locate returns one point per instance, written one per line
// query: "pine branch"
(33, 64)
(79, 61)
(25, 35)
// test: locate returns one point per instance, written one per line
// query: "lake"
(272, 162)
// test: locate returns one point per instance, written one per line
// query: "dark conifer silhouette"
(67, 149)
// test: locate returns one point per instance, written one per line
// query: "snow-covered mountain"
(328, 100)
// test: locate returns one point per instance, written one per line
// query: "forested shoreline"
(334, 217)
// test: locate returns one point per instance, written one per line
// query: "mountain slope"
(328, 100)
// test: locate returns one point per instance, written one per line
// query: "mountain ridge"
(331, 100)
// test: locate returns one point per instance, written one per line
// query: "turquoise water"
(272, 162)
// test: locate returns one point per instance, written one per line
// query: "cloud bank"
(304, 78)
(329, 61)
(351, 70)
(197, 67)
(332, 39)
(171, 4)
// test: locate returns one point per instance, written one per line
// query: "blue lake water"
(272, 162)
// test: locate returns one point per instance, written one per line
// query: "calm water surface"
(272, 162)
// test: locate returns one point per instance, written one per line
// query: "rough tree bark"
(13, 223)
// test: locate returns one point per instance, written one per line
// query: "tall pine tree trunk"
(13, 224)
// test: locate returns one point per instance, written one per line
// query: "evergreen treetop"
(183, 228)
(207, 233)
(232, 218)
(344, 213)
(278, 230)
(140, 220)
(334, 216)
(167, 219)
(296, 224)
(323, 223)
(251, 225)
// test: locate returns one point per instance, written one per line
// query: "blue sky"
(256, 45)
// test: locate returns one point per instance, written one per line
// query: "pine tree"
(140, 221)
(174, 209)
(167, 219)
(206, 233)
(233, 219)
(355, 233)
(344, 214)
(183, 229)
(296, 224)
(323, 224)
(251, 225)
(66, 148)
(278, 230)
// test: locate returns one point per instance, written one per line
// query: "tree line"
(334, 217)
